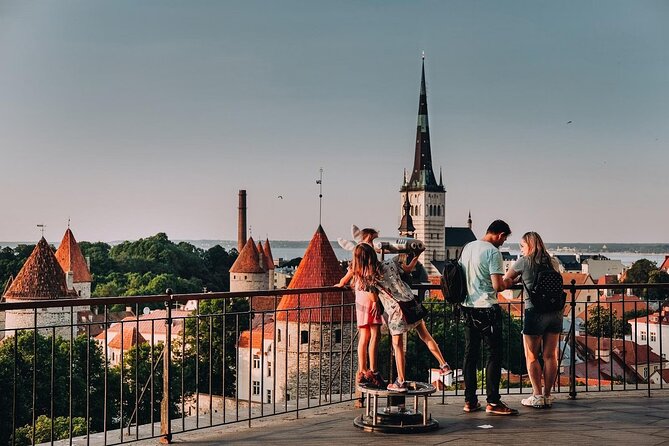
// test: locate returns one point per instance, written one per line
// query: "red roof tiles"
(129, 338)
(319, 268)
(260, 334)
(71, 259)
(268, 255)
(41, 277)
(248, 260)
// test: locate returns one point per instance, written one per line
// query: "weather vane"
(42, 227)
(320, 196)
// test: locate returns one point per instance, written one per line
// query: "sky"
(136, 117)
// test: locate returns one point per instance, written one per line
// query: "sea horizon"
(627, 253)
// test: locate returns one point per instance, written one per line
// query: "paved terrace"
(593, 418)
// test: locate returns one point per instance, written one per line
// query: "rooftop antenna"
(250, 231)
(42, 227)
(320, 196)
(68, 222)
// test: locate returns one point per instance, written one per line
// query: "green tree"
(61, 430)
(216, 330)
(639, 272)
(658, 276)
(604, 323)
(87, 370)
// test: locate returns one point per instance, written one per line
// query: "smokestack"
(241, 223)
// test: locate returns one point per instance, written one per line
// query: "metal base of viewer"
(395, 417)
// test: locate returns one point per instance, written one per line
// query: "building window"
(304, 337)
(256, 361)
(256, 387)
(269, 396)
(278, 336)
(269, 369)
(337, 334)
(645, 372)
(643, 335)
(653, 336)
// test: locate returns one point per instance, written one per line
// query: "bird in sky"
(280, 197)
(568, 122)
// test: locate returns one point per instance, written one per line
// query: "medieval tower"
(426, 198)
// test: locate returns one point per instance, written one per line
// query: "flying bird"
(280, 197)
(568, 122)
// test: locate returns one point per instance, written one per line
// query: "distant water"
(628, 253)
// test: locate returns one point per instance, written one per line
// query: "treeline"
(143, 267)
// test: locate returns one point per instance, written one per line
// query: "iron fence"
(181, 362)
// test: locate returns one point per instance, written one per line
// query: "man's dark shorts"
(536, 323)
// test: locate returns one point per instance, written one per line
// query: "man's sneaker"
(500, 409)
(445, 369)
(374, 379)
(548, 401)
(536, 401)
(362, 378)
(398, 386)
(471, 407)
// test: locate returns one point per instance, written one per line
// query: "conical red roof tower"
(248, 260)
(268, 255)
(70, 258)
(40, 278)
(319, 268)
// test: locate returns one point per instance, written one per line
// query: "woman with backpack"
(542, 325)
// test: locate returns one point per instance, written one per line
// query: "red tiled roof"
(262, 258)
(41, 277)
(607, 279)
(580, 278)
(152, 322)
(665, 264)
(268, 255)
(655, 318)
(319, 268)
(615, 304)
(248, 260)
(70, 258)
(258, 336)
(628, 351)
(130, 337)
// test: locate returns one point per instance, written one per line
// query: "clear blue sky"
(133, 117)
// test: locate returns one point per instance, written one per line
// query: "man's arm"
(497, 282)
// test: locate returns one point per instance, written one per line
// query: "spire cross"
(320, 196)
(42, 227)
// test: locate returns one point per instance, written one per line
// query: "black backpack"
(547, 294)
(454, 282)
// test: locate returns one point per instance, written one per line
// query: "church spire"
(422, 176)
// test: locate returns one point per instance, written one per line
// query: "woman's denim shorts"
(536, 323)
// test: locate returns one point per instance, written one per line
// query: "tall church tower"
(427, 198)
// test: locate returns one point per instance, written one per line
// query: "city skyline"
(137, 118)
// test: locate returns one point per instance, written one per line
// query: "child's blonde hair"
(365, 266)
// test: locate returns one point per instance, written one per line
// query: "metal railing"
(234, 357)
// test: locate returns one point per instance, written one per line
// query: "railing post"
(572, 343)
(165, 424)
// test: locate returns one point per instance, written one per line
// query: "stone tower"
(40, 278)
(70, 258)
(427, 198)
(314, 327)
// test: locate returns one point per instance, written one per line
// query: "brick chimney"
(241, 222)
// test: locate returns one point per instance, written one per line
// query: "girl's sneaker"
(375, 379)
(445, 369)
(398, 386)
(549, 401)
(536, 401)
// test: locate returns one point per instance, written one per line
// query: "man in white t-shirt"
(483, 267)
